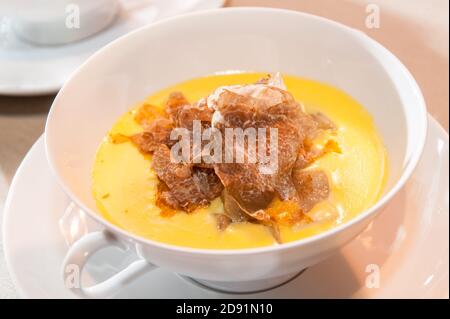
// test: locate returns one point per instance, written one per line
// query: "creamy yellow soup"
(124, 185)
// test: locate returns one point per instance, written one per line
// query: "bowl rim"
(361, 217)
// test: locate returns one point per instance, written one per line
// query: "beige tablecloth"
(415, 30)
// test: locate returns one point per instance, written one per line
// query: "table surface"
(414, 30)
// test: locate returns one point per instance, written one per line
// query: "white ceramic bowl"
(55, 22)
(253, 39)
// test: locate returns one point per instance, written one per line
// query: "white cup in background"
(52, 22)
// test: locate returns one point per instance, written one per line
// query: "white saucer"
(408, 242)
(27, 69)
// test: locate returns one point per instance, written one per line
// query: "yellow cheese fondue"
(125, 186)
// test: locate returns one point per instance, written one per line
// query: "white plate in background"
(27, 69)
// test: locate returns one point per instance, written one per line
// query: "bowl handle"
(78, 255)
